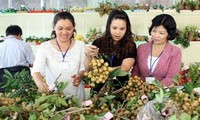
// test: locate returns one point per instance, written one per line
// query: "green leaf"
(188, 87)
(62, 101)
(195, 117)
(40, 100)
(173, 91)
(76, 102)
(43, 106)
(132, 102)
(69, 101)
(157, 84)
(185, 116)
(61, 86)
(103, 100)
(82, 117)
(93, 117)
(16, 109)
(159, 97)
(117, 72)
(53, 109)
(110, 97)
(197, 84)
(176, 79)
(32, 116)
(11, 108)
(172, 117)
(8, 73)
(8, 83)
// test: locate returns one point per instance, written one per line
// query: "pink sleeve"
(174, 68)
(135, 70)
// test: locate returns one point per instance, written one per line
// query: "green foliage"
(190, 77)
(105, 7)
(186, 34)
(61, 86)
(10, 10)
(20, 84)
(36, 39)
(132, 102)
(184, 116)
(160, 96)
(117, 72)
(93, 34)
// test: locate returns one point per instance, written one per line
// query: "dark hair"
(123, 47)
(168, 22)
(60, 16)
(13, 30)
(118, 14)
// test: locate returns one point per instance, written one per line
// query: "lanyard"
(111, 60)
(63, 54)
(152, 64)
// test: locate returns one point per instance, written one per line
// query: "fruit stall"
(132, 100)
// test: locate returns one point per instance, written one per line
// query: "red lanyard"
(63, 54)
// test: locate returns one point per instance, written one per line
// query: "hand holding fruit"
(76, 79)
(91, 51)
(99, 72)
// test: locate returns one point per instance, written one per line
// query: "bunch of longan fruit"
(133, 87)
(137, 87)
(95, 110)
(99, 72)
(187, 104)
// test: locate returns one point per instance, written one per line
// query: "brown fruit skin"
(195, 104)
(18, 99)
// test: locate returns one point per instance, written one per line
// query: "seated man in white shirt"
(15, 54)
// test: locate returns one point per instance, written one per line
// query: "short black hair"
(168, 22)
(13, 30)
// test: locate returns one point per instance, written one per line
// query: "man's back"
(15, 52)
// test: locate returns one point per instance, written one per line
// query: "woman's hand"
(40, 82)
(76, 79)
(42, 86)
(91, 51)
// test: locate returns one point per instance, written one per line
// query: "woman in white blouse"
(61, 59)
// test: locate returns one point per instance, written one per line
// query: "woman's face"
(159, 35)
(64, 30)
(117, 29)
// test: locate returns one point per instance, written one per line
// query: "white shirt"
(153, 62)
(49, 62)
(14, 52)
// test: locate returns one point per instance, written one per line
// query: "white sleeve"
(40, 60)
(29, 54)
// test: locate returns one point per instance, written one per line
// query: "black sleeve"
(96, 43)
(133, 52)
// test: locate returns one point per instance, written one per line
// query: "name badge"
(64, 66)
(150, 80)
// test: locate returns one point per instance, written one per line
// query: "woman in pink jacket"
(159, 59)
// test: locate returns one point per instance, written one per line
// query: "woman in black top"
(117, 42)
